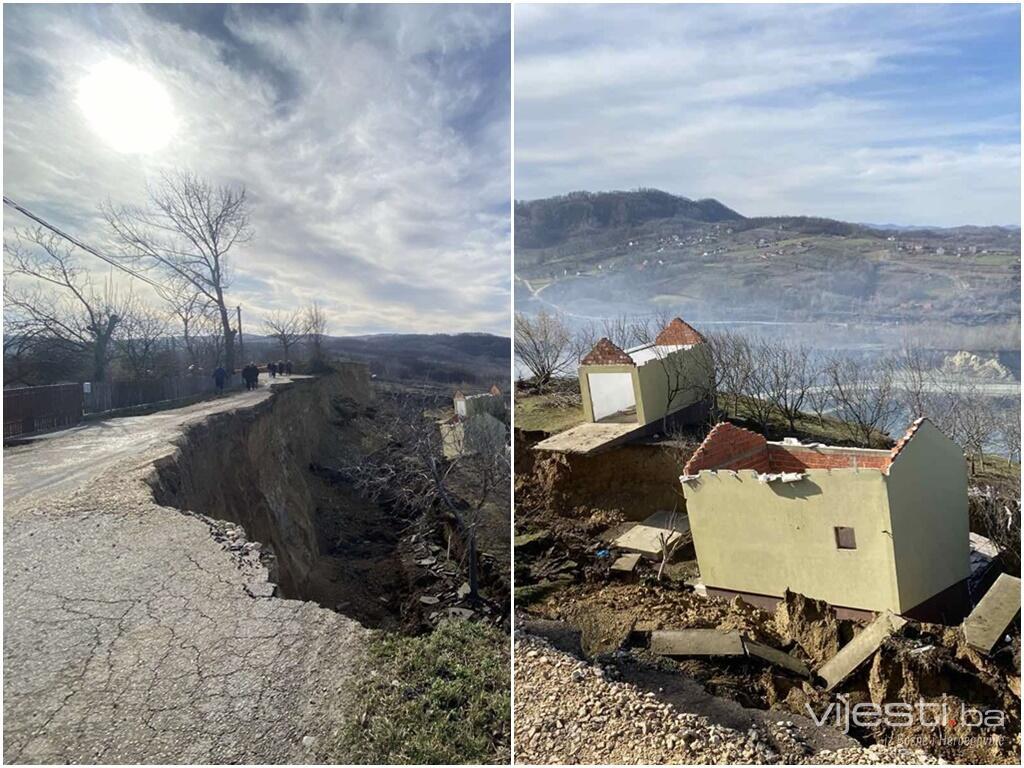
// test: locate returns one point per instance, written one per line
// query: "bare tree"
(142, 334)
(583, 340)
(975, 422)
(196, 316)
(187, 232)
(865, 397)
(408, 470)
(315, 320)
(734, 363)
(789, 378)
(287, 328)
(543, 344)
(757, 400)
(72, 311)
(916, 380)
(1009, 431)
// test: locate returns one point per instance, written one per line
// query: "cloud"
(900, 113)
(374, 142)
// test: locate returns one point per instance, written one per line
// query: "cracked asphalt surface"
(129, 635)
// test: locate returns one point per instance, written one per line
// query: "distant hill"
(479, 358)
(541, 223)
(598, 254)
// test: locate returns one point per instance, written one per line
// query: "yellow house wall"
(692, 366)
(585, 370)
(452, 436)
(928, 501)
(765, 538)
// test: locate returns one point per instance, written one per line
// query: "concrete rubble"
(992, 615)
(646, 538)
(860, 649)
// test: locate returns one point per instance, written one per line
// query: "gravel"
(568, 711)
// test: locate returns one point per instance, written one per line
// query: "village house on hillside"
(864, 530)
(674, 375)
(487, 405)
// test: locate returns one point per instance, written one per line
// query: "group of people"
(251, 373)
(281, 367)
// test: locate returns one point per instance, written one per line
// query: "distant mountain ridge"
(550, 221)
(598, 254)
(541, 223)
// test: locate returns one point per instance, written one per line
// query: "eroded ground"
(602, 696)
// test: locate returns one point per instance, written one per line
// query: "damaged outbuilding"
(864, 530)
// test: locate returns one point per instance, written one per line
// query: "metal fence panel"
(28, 410)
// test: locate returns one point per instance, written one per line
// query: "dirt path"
(130, 635)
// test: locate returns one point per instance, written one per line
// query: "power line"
(87, 248)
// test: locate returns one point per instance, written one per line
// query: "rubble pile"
(568, 711)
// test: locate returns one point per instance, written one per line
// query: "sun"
(127, 107)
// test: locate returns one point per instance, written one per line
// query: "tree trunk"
(229, 338)
(474, 580)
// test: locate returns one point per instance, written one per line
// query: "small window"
(845, 538)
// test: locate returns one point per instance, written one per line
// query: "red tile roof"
(678, 333)
(907, 436)
(606, 353)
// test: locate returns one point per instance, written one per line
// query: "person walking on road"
(251, 374)
(288, 367)
(219, 377)
(272, 369)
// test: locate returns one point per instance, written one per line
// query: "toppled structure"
(643, 384)
(864, 530)
(487, 411)
(632, 392)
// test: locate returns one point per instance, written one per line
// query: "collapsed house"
(864, 530)
(485, 411)
(630, 393)
(671, 376)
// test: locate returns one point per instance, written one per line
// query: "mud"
(633, 481)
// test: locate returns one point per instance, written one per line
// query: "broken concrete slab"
(777, 657)
(859, 650)
(626, 563)
(696, 642)
(645, 537)
(993, 613)
(589, 438)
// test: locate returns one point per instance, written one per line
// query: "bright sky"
(374, 142)
(906, 114)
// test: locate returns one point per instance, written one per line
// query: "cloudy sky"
(374, 143)
(882, 114)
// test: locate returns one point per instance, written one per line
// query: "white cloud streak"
(864, 114)
(373, 142)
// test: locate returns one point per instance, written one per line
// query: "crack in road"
(130, 635)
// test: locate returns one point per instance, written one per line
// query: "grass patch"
(441, 698)
(546, 413)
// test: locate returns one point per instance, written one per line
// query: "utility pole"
(241, 351)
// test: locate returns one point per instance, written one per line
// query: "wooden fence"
(28, 410)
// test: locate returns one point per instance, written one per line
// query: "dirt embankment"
(632, 481)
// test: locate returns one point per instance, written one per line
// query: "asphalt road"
(62, 461)
(130, 635)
